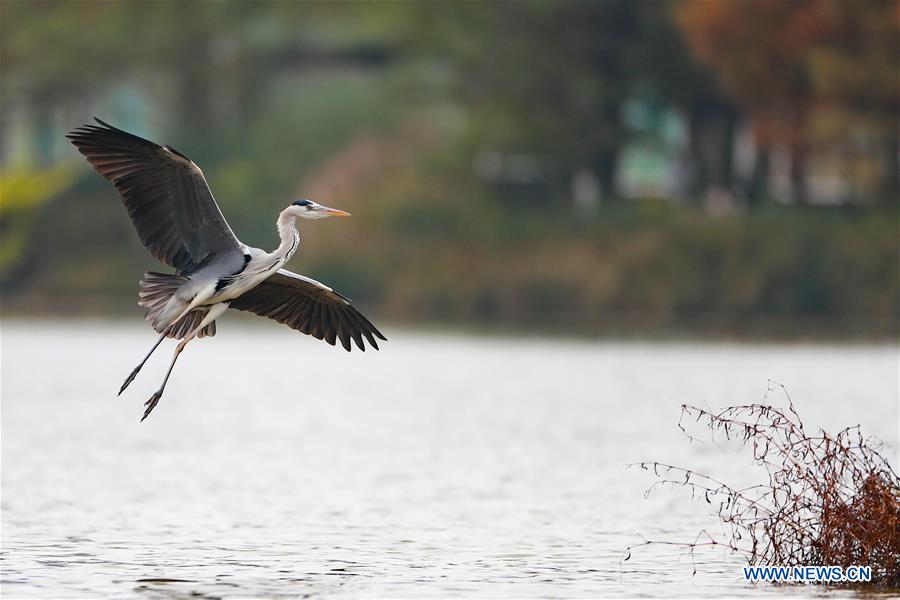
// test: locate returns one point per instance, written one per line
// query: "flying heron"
(178, 220)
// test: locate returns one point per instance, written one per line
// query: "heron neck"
(289, 236)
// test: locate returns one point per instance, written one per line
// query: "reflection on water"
(278, 466)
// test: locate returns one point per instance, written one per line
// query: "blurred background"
(641, 175)
(617, 168)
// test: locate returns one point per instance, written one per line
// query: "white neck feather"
(289, 236)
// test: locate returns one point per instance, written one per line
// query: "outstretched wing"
(311, 307)
(166, 195)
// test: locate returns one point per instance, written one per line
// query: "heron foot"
(151, 404)
(129, 379)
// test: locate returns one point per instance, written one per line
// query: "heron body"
(178, 220)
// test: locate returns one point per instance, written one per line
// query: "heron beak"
(335, 212)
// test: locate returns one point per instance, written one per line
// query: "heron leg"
(137, 369)
(212, 315)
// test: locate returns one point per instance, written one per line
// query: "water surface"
(276, 466)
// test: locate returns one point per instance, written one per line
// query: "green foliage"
(23, 192)
(381, 108)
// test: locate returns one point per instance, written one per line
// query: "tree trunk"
(725, 175)
(799, 150)
(697, 172)
(711, 130)
(892, 170)
(606, 165)
(799, 189)
(758, 191)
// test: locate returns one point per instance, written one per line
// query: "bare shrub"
(830, 499)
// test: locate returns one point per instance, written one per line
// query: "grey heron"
(177, 219)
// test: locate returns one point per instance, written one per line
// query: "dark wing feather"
(165, 193)
(306, 305)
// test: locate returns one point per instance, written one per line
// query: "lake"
(444, 465)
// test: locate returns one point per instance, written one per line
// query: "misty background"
(617, 168)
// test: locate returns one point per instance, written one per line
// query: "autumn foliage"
(808, 73)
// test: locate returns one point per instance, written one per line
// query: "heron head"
(307, 209)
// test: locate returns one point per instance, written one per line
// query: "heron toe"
(151, 404)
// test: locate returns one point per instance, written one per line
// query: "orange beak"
(335, 212)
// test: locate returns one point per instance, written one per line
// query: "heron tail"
(157, 295)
